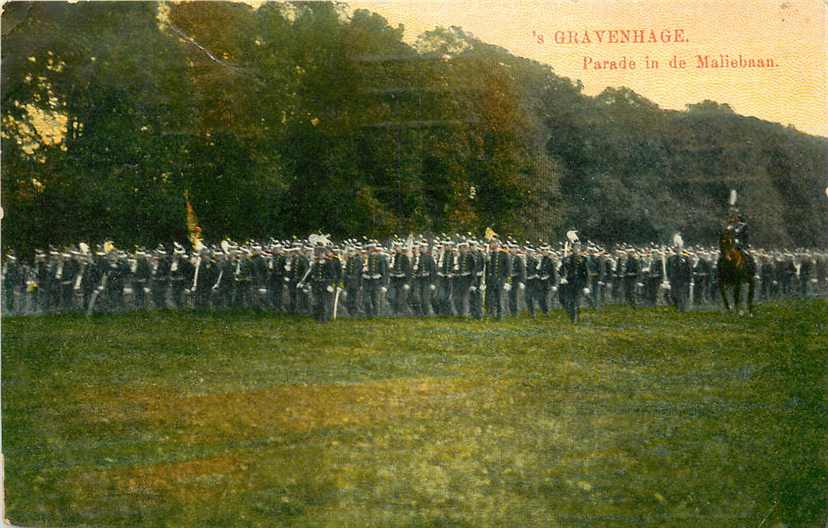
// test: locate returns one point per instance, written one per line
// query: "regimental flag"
(193, 228)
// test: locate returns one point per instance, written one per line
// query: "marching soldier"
(478, 286)
(12, 279)
(374, 276)
(463, 277)
(116, 271)
(806, 272)
(498, 273)
(679, 274)
(445, 275)
(701, 278)
(517, 277)
(299, 265)
(533, 288)
(574, 281)
(208, 273)
(160, 277)
(260, 272)
(546, 279)
(425, 275)
(141, 277)
(353, 280)
(400, 279)
(632, 269)
(181, 274)
(322, 278)
(243, 280)
(278, 277)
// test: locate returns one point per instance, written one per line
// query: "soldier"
(208, 272)
(574, 281)
(223, 288)
(322, 281)
(478, 287)
(276, 277)
(594, 270)
(766, 275)
(260, 261)
(353, 279)
(425, 276)
(679, 274)
(445, 275)
(822, 272)
(43, 270)
(498, 273)
(789, 275)
(806, 273)
(243, 280)
(116, 271)
(533, 263)
(89, 277)
(12, 280)
(374, 277)
(400, 274)
(141, 277)
(632, 270)
(701, 278)
(181, 274)
(655, 277)
(299, 264)
(161, 277)
(462, 280)
(517, 277)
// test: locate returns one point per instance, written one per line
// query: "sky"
(790, 32)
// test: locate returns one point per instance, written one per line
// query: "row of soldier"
(465, 277)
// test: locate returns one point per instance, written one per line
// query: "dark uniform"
(445, 275)
(161, 280)
(353, 282)
(498, 273)
(298, 265)
(632, 270)
(574, 271)
(478, 287)
(374, 279)
(701, 281)
(425, 276)
(517, 275)
(679, 273)
(462, 281)
(208, 272)
(400, 273)
(141, 281)
(322, 278)
(12, 279)
(277, 278)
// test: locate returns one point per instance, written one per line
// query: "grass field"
(633, 418)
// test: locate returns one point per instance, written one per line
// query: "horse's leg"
(737, 295)
(751, 289)
(723, 292)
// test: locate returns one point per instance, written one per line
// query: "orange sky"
(792, 32)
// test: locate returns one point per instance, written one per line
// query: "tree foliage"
(296, 117)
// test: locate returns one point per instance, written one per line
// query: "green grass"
(633, 418)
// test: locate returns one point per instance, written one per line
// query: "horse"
(735, 267)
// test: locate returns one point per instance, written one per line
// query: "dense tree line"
(298, 117)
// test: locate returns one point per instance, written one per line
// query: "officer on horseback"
(739, 227)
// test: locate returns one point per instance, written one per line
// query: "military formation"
(460, 276)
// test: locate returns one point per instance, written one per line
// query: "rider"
(738, 225)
